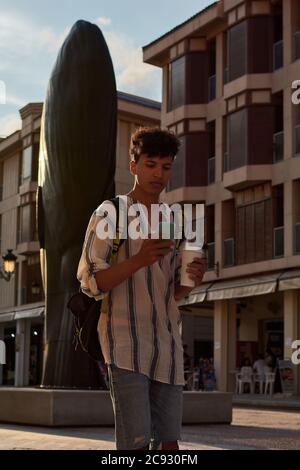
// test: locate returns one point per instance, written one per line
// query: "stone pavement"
(250, 429)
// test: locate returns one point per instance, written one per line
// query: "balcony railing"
(297, 140)
(277, 55)
(212, 88)
(228, 249)
(278, 146)
(297, 45)
(278, 242)
(211, 170)
(297, 238)
(211, 256)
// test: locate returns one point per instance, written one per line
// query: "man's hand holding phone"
(153, 250)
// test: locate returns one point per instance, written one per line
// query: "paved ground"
(251, 429)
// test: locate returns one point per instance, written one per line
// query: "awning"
(243, 287)
(289, 280)
(25, 313)
(29, 313)
(6, 317)
(197, 295)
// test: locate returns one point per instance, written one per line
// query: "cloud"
(103, 21)
(28, 50)
(133, 76)
(24, 43)
(16, 100)
(9, 124)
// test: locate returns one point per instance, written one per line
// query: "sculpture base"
(54, 407)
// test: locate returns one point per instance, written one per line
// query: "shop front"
(22, 333)
(250, 318)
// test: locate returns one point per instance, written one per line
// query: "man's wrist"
(181, 291)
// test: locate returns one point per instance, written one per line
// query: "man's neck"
(143, 197)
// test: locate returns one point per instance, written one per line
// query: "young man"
(139, 333)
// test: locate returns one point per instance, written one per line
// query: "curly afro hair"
(153, 141)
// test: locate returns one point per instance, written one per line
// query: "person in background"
(259, 365)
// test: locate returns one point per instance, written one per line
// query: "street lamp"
(9, 265)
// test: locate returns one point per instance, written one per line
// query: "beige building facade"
(228, 76)
(22, 298)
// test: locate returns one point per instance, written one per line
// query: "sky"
(32, 32)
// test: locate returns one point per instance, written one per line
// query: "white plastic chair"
(269, 382)
(260, 379)
(245, 376)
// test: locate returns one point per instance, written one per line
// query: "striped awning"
(24, 313)
(290, 280)
(234, 288)
(243, 287)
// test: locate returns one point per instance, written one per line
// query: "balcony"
(278, 147)
(212, 88)
(297, 239)
(228, 252)
(278, 242)
(28, 248)
(211, 256)
(297, 45)
(211, 177)
(278, 55)
(245, 176)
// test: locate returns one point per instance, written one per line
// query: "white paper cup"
(187, 256)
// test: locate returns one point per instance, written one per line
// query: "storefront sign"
(286, 375)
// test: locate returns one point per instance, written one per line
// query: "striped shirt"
(141, 329)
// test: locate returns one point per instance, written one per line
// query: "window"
(228, 252)
(237, 50)
(278, 221)
(297, 140)
(32, 285)
(297, 45)
(297, 239)
(212, 70)
(211, 127)
(237, 140)
(27, 164)
(176, 84)
(278, 55)
(178, 169)
(254, 234)
(27, 230)
(278, 147)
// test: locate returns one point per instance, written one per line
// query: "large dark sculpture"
(76, 173)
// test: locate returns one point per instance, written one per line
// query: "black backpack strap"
(117, 242)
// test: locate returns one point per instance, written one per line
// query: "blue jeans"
(146, 411)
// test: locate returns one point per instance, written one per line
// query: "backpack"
(86, 310)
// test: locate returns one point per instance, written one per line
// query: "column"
(22, 352)
(225, 344)
(292, 329)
